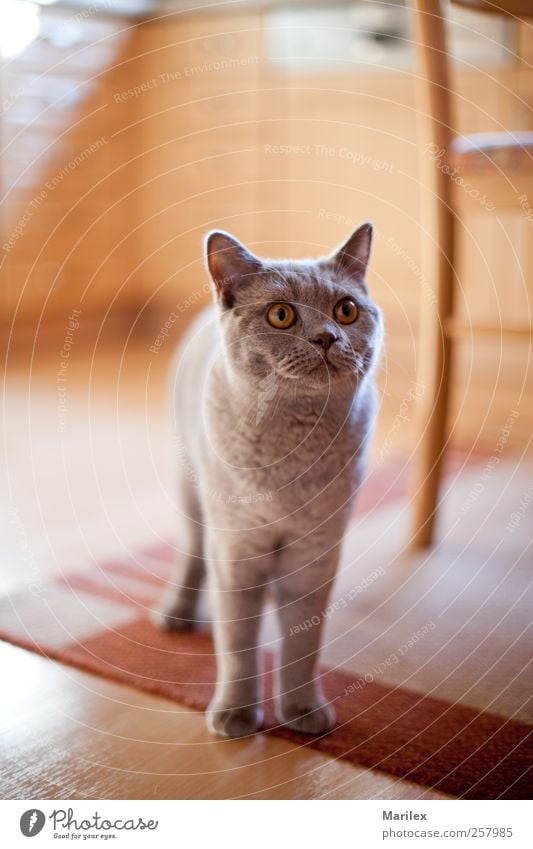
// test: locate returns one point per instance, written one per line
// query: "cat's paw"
(173, 618)
(234, 722)
(312, 717)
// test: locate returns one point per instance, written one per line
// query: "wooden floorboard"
(104, 485)
(72, 735)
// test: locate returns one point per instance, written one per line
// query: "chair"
(501, 164)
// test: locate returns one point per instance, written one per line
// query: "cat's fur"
(272, 430)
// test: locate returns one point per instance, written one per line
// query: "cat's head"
(308, 322)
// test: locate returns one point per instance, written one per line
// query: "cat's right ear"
(229, 263)
(353, 256)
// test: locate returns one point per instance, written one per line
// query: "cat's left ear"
(352, 258)
(229, 263)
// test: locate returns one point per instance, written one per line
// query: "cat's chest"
(295, 452)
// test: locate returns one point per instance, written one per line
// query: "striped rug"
(96, 620)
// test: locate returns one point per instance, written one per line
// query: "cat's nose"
(325, 340)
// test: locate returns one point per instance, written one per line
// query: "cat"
(274, 403)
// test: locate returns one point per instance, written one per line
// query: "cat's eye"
(346, 311)
(281, 316)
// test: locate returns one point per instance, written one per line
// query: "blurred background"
(129, 128)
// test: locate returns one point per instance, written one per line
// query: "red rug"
(97, 621)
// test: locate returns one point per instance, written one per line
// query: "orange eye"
(281, 316)
(346, 311)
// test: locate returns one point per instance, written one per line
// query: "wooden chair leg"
(438, 264)
(434, 374)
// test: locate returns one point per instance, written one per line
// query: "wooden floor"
(103, 483)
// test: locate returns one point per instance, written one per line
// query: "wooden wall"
(70, 204)
(291, 161)
(203, 130)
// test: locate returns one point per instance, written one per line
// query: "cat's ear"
(352, 258)
(229, 263)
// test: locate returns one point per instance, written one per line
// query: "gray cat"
(275, 402)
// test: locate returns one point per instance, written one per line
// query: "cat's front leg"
(239, 585)
(302, 595)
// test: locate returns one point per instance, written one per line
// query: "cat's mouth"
(325, 361)
(324, 371)
(320, 368)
